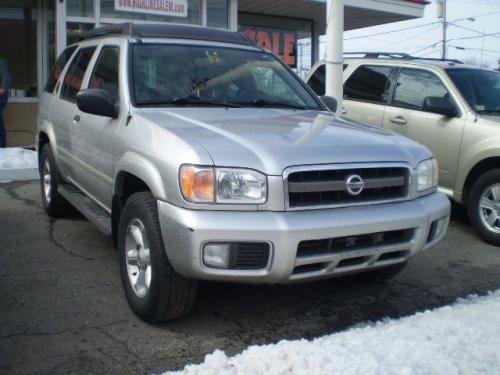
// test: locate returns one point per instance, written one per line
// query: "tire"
(381, 275)
(154, 290)
(54, 203)
(486, 221)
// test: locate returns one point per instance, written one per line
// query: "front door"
(408, 116)
(93, 136)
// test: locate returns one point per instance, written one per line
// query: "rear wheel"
(154, 290)
(53, 202)
(483, 206)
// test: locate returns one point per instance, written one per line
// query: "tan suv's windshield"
(166, 74)
(481, 89)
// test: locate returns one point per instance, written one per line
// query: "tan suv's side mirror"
(440, 105)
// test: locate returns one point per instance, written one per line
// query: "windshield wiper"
(188, 101)
(488, 111)
(270, 103)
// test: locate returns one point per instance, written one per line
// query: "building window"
(217, 13)
(75, 29)
(18, 46)
(80, 8)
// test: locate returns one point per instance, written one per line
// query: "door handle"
(76, 120)
(344, 111)
(398, 120)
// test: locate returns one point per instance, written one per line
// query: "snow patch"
(18, 164)
(463, 338)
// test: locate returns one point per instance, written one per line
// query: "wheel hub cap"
(489, 209)
(46, 180)
(138, 258)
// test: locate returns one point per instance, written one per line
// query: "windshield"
(481, 89)
(187, 75)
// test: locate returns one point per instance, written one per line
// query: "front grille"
(349, 243)
(327, 187)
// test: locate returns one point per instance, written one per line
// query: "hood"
(270, 140)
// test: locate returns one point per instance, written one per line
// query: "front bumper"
(185, 231)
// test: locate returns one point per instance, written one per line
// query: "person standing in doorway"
(4, 95)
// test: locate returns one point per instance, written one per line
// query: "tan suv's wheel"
(154, 290)
(53, 202)
(484, 206)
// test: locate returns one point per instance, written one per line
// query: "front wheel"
(484, 206)
(154, 290)
(54, 203)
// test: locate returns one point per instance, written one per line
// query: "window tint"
(105, 74)
(76, 71)
(58, 68)
(317, 80)
(370, 83)
(415, 86)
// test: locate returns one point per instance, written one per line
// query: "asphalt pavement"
(62, 309)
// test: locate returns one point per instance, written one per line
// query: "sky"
(415, 41)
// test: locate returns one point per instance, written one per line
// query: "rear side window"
(74, 76)
(105, 74)
(58, 68)
(317, 80)
(368, 83)
(415, 86)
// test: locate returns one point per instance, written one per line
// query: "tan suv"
(452, 108)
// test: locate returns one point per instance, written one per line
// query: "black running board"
(95, 214)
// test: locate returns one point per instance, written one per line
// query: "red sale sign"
(282, 43)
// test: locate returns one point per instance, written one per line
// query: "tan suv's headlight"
(222, 185)
(427, 176)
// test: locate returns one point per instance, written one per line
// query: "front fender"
(487, 148)
(144, 169)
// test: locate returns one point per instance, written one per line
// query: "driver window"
(105, 74)
(415, 86)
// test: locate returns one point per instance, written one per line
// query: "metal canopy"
(358, 13)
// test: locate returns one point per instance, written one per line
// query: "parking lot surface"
(63, 311)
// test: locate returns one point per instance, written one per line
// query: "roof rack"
(166, 31)
(399, 55)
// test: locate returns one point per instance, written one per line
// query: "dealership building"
(34, 32)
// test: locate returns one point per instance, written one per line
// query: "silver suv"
(206, 158)
(452, 108)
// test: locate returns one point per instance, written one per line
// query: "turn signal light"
(197, 183)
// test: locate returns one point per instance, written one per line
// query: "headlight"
(427, 175)
(222, 185)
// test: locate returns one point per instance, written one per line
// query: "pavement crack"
(62, 332)
(14, 194)
(122, 344)
(60, 245)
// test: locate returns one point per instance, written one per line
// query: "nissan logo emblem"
(354, 184)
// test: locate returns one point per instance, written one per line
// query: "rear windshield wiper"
(270, 103)
(188, 101)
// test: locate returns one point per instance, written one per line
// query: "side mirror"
(440, 105)
(97, 102)
(330, 102)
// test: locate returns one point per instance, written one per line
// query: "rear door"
(366, 92)
(406, 114)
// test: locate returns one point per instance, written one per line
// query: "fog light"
(437, 229)
(216, 254)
